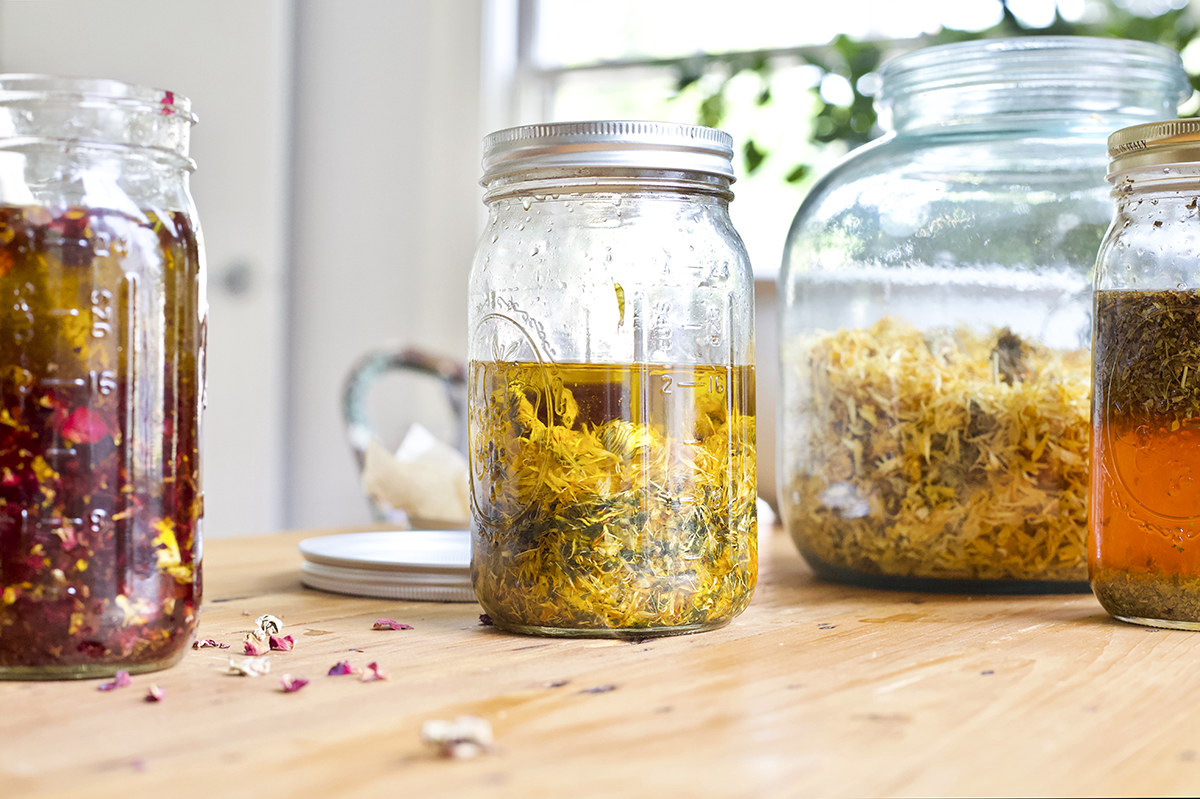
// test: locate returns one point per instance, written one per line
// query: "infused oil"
(613, 498)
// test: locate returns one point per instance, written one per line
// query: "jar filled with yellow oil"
(611, 384)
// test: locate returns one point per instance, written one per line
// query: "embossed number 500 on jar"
(611, 383)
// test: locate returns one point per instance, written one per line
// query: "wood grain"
(817, 690)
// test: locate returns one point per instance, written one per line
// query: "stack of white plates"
(432, 565)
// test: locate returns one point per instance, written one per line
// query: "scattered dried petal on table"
(254, 647)
(270, 625)
(156, 694)
(485, 620)
(249, 667)
(290, 684)
(209, 643)
(390, 624)
(465, 737)
(120, 680)
(283, 643)
(372, 673)
(342, 667)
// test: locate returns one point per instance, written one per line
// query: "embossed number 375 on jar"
(611, 383)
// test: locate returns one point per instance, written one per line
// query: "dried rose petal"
(209, 643)
(390, 624)
(292, 684)
(254, 648)
(156, 694)
(342, 667)
(283, 644)
(372, 673)
(84, 426)
(120, 680)
(485, 620)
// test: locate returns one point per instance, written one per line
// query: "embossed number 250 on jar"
(611, 383)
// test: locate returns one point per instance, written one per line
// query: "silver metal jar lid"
(608, 145)
(1174, 141)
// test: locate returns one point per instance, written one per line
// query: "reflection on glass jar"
(101, 379)
(937, 284)
(611, 384)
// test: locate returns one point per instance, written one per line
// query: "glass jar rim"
(20, 87)
(1034, 62)
(94, 114)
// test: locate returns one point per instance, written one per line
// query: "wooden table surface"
(817, 690)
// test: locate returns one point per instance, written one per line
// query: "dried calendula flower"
(465, 737)
(950, 454)
(249, 666)
(613, 497)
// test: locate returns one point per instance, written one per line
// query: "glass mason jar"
(936, 321)
(1144, 550)
(102, 314)
(611, 383)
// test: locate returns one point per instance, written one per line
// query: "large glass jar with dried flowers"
(102, 316)
(611, 383)
(937, 318)
(1144, 548)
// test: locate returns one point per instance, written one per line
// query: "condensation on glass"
(102, 320)
(611, 383)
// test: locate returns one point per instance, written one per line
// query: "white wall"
(386, 216)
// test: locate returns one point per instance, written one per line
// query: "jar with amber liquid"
(1144, 514)
(101, 379)
(611, 383)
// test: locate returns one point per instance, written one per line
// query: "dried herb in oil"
(100, 495)
(612, 498)
(947, 454)
(1146, 455)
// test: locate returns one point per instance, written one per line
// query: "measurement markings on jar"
(58, 521)
(63, 312)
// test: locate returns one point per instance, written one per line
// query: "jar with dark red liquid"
(102, 328)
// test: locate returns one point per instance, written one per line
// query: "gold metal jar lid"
(1175, 141)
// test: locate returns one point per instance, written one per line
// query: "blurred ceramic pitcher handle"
(369, 368)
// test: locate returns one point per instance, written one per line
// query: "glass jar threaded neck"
(1031, 80)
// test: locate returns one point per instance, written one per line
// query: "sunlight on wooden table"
(817, 690)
